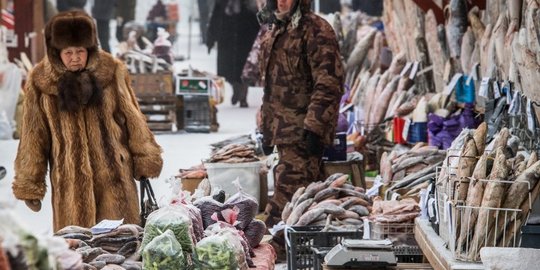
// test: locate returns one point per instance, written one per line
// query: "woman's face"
(74, 58)
(284, 5)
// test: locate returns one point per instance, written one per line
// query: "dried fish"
(297, 211)
(361, 49)
(493, 197)
(309, 217)
(456, 25)
(477, 26)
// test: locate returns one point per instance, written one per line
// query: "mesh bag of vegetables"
(172, 218)
(216, 252)
(164, 252)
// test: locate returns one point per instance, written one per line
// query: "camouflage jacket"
(302, 75)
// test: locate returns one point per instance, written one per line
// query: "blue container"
(417, 133)
(338, 151)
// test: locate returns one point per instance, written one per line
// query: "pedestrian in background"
(103, 11)
(205, 8)
(302, 75)
(82, 125)
(234, 27)
(65, 5)
(125, 12)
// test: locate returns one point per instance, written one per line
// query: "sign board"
(193, 86)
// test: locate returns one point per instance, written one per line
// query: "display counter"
(436, 251)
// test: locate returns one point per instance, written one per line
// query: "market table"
(436, 251)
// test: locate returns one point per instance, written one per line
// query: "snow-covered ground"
(180, 150)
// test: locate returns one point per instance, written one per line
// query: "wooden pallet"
(159, 111)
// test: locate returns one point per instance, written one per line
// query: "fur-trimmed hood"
(46, 74)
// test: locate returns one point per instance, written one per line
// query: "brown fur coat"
(93, 152)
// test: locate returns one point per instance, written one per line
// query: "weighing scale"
(361, 254)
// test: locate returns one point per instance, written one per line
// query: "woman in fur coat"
(82, 122)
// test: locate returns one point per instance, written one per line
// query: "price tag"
(414, 70)
(530, 117)
(484, 87)
(431, 210)
(508, 89)
(374, 190)
(452, 84)
(106, 226)
(405, 69)
(406, 127)
(496, 90)
(423, 203)
(367, 230)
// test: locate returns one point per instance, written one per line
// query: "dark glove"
(313, 141)
(267, 150)
(34, 205)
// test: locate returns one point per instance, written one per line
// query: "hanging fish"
(456, 25)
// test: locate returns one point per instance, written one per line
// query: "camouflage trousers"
(295, 169)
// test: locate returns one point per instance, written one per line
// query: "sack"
(147, 205)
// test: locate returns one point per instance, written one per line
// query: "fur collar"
(45, 75)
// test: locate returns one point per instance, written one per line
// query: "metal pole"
(317, 6)
(189, 30)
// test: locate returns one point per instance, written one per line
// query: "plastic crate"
(301, 240)
(408, 254)
(197, 114)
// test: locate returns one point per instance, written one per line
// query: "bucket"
(417, 132)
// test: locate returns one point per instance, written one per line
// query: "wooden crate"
(354, 168)
(159, 111)
(152, 84)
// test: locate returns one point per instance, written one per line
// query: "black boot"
(235, 97)
(242, 94)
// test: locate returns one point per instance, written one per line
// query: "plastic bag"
(254, 232)
(194, 214)
(235, 239)
(208, 207)
(170, 217)
(217, 252)
(247, 205)
(164, 252)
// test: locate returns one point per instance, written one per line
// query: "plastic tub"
(222, 175)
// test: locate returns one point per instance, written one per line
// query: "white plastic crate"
(222, 175)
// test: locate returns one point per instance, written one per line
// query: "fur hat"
(70, 29)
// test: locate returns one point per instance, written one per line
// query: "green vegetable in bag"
(216, 253)
(172, 218)
(164, 252)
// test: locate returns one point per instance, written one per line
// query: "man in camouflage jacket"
(302, 75)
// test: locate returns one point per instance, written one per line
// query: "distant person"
(125, 12)
(157, 17)
(234, 27)
(205, 8)
(103, 11)
(65, 5)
